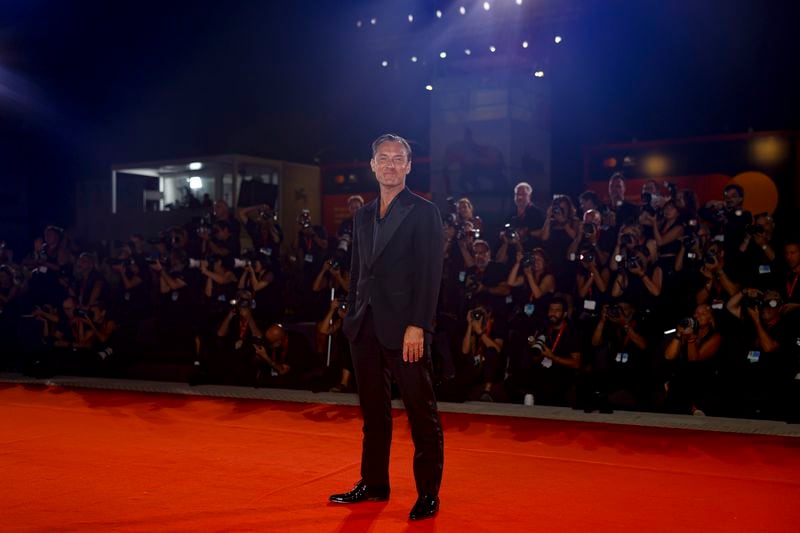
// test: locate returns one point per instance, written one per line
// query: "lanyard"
(558, 337)
(309, 242)
(242, 327)
(790, 288)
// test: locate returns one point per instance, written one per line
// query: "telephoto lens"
(537, 344)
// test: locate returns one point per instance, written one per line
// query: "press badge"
(589, 305)
(238, 344)
(717, 304)
(753, 356)
(462, 276)
(622, 357)
(273, 373)
(268, 251)
(221, 298)
(509, 299)
(309, 258)
(764, 269)
(528, 309)
(127, 296)
(476, 360)
(174, 296)
(547, 363)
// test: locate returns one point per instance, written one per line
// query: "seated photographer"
(791, 253)
(547, 366)
(261, 224)
(758, 266)
(259, 278)
(231, 360)
(89, 284)
(486, 279)
(620, 368)
(691, 353)
(331, 325)
(534, 284)
(281, 358)
(73, 340)
(764, 360)
(481, 347)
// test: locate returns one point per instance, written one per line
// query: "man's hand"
(413, 344)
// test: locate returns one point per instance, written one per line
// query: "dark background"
(84, 85)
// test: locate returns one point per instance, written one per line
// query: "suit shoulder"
(422, 202)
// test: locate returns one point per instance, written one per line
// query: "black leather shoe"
(426, 507)
(361, 493)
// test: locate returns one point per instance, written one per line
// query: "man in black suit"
(396, 270)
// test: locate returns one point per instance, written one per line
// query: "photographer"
(667, 234)
(535, 282)
(486, 280)
(332, 275)
(50, 257)
(331, 325)
(594, 236)
(758, 265)
(548, 364)
(88, 284)
(639, 281)
(717, 286)
(9, 316)
(691, 352)
(481, 346)
(232, 359)
(620, 370)
(176, 314)
(354, 203)
(523, 226)
(791, 253)
(224, 242)
(590, 201)
(624, 211)
(312, 242)
(131, 300)
(281, 359)
(259, 278)
(263, 228)
(630, 237)
(591, 281)
(764, 360)
(220, 282)
(728, 217)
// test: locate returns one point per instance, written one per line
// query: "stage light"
(539, 74)
(373, 21)
(195, 182)
(438, 13)
(557, 39)
(359, 24)
(492, 49)
(467, 51)
(442, 54)
(429, 87)
(413, 59)
(487, 6)
(384, 63)
(519, 2)
(524, 44)
(462, 10)
(195, 165)
(411, 18)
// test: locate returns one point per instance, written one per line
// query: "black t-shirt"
(492, 276)
(532, 218)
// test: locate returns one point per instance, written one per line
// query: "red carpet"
(87, 460)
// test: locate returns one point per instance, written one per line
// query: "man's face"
(555, 314)
(732, 198)
(792, 255)
(703, 315)
(391, 164)
(52, 238)
(616, 189)
(593, 216)
(522, 196)
(464, 210)
(275, 336)
(586, 204)
(222, 234)
(69, 307)
(221, 209)
(482, 256)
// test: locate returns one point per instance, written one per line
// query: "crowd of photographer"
(661, 304)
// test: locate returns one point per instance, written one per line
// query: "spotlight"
(384, 63)
(442, 54)
(519, 2)
(492, 49)
(359, 24)
(524, 44)
(429, 87)
(539, 74)
(413, 59)
(557, 39)
(462, 10)
(467, 51)
(487, 6)
(411, 18)
(195, 165)
(438, 13)
(373, 21)
(195, 182)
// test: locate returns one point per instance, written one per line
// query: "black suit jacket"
(400, 278)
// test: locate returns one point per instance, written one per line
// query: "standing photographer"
(259, 278)
(231, 361)
(759, 266)
(260, 222)
(331, 325)
(691, 352)
(481, 346)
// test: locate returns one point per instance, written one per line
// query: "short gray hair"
(524, 184)
(391, 137)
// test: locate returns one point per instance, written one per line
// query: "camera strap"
(242, 327)
(790, 287)
(558, 337)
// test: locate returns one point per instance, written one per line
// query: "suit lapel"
(366, 229)
(399, 212)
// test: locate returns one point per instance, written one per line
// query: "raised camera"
(537, 344)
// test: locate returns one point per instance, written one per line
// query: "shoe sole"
(360, 501)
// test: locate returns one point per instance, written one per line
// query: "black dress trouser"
(375, 365)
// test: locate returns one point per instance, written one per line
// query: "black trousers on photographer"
(375, 366)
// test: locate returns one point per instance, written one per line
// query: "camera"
(537, 344)
(710, 258)
(614, 311)
(477, 314)
(649, 209)
(589, 229)
(305, 218)
(633, 262)
(81, 313)
(510, 233)
(752, 302)
(627, 239)
(343, 305)
(527, 260)
(586, 256)
(689, 323)
(334, 263)
(449, 219)
(754, 229)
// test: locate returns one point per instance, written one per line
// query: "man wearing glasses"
(396, 269)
